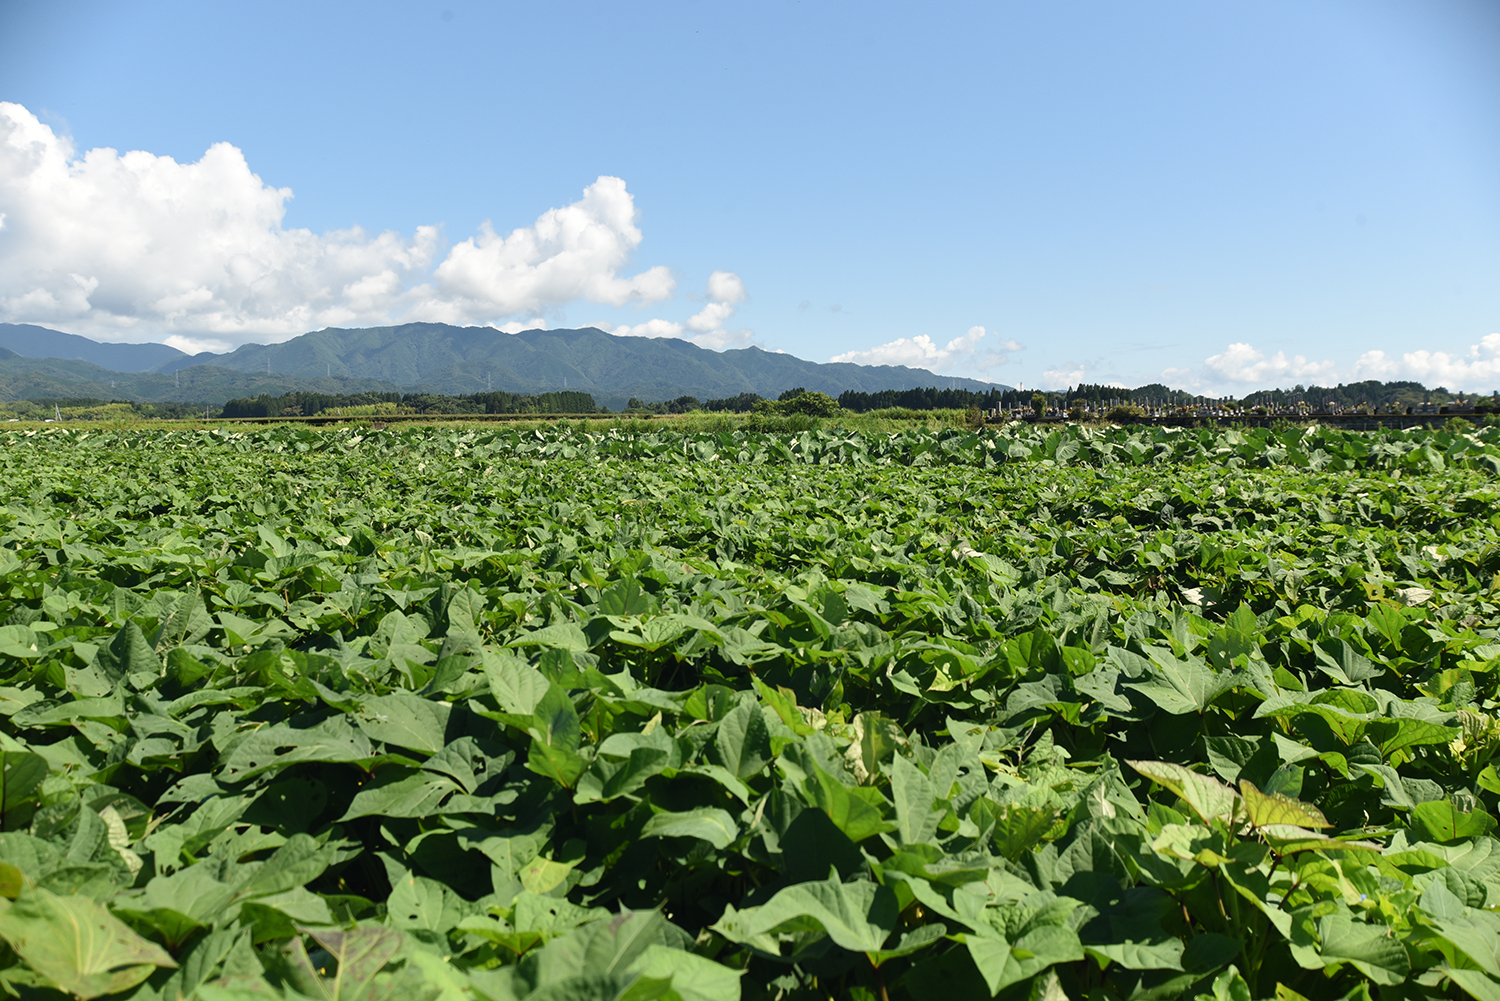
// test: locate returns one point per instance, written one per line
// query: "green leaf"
(1285, 839)
(128, 653)
(625, 598)
(21, 773)
(915, 940)
(1002, 963)
(609, 778)
(876, 738)
(543, 875)
(1266, 809)
(1208, 798)
(276, 747)
(857, 916)
(1475, 983)
(12, 881)
(1442, 821)
(784, 703)
(857, 810)
(1165, 955)
(393, 794)
(693, 978)
(77, 944)
(360, 954)
(1394, 735)
(514, 683)
(301, 860)
(406, 721)
(1181, 686)
(705, 823)
(599, 949)
(1475, 934)
(18, 642)
(562, 636)
(417, 903)
(1017, 826)
(916, 820)
(742, 742)
(555, 739)
(1372, 949)
(1228, 986)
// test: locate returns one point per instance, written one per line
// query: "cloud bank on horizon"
(108, 244)
(120, 246)
(1242, 365)
(977, 350)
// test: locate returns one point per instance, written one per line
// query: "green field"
(636, 712)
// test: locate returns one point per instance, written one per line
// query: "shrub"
(811, 405)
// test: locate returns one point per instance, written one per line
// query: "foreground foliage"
(445, 713)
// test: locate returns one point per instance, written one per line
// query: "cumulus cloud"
(720, 339)
(1243, 366)
(651, 328)
(1243, 363)
(725, 291)
(105, 243)
(1477, 369)
(516, 326)
(575, 252)
(197, 345)
(976, 349)
(1072, 373)
(726, 287)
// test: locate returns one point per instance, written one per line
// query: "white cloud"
(1072, 373)
(710, 317)
(197, 345)
(1242, 363)
(726, 287)
(718, 340)
(108, 243)
(969, 352)
(516, 326)
(725, 291)
(651, 328)
(575, 252)
(1067, 375)
(1242, 366)
(1478, 369)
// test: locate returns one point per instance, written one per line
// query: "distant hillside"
(31, 341)
(435, 358)
(438, 358)
(34, 378)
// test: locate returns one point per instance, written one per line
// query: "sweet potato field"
(446, 713)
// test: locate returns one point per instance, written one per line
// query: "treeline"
(356, 404)
(88, 406)
(1372, 393)
(923, 398)
(1153, 394)
(681, 405)
(855, 401)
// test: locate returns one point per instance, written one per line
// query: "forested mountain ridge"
(441, 358)
(438, 357)
(31, 341)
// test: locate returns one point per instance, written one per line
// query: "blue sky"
(1220, 196)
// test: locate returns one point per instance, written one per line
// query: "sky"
(1223, 197)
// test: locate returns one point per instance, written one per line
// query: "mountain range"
(427, 357)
